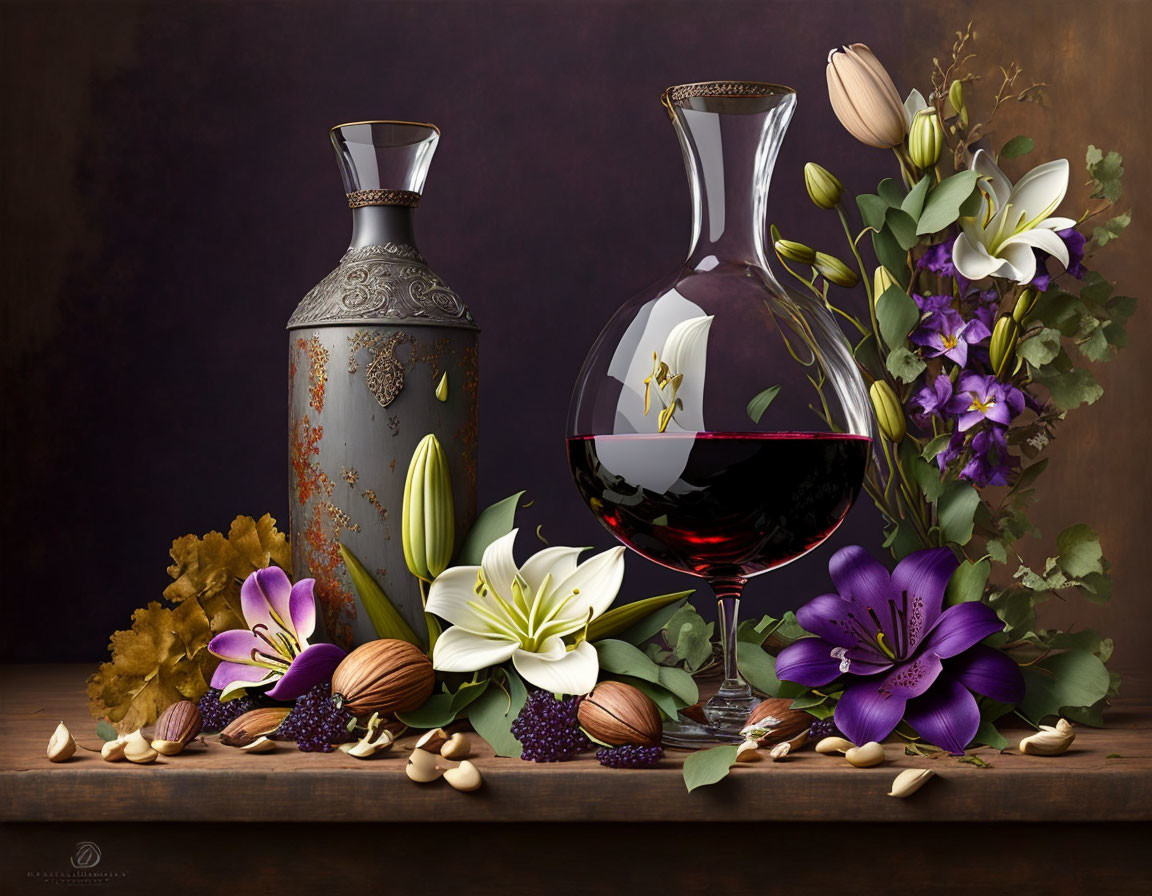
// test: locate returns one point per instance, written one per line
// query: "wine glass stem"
(733, 702)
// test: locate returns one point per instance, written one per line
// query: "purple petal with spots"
(809, 662)
(864, 714)
(923, 575)
(828, 617)
(960, 627)
(911, 679)
(312, 667)
(988, 672)
(946, 715)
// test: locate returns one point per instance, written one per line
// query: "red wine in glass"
(721, 505)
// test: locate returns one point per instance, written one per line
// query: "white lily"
(1012, 221)
(500, 612)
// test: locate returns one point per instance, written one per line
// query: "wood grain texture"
(213, 783)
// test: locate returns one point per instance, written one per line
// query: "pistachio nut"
(1050, 740)
(829, 745)
(464, 777)
(61, 745)
(456, 747)
(909, 781)
(865, 756)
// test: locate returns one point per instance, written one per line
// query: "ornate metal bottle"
(368, 347)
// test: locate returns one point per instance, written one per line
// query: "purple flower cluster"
(548, 729)
(630, 756)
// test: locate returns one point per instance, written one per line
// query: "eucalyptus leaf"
(651, 626)
(913, 203)
(891, 192)
(623, 658)
(493, 522)
(758, 405)
(902, 226)
(891, 256)
(758, 668)
(968, 582)
(618, 619)
(1017, 146)
(667, 702)
(706, 767)
(897, 314)
(872, 210)
(679, 683)
(105, 731)
(493, 713)
(942, 207)
(956, 510)
(385, 618)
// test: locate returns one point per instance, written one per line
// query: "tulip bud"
(426, 527)
(834, 270)
(794, 251)
(823, 186)
(1002, 347)
(864, 97)
(882, 281)
(1024, 306)
(889, 414)
(925, 139)
(956, 99)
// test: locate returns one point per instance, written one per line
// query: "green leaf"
(493, 713)
(897, 314)
(913, 203)
(680, 683)
(872, 210)
(968, 582)
(1112, 229)
(1040, 349)
(1029, 475)
(935, 446)
(1016, 147)
(386, 619)
(493, 522)
(706, 767)
(1074, 678)
(758, 405)
(667, 702)
(651, 626)
(758, 668)
(987, 734)
(1070, 389)
(105, 731)
(942, 207)
(891, 192)
(891, 256)
(436, 712)
(624, 617)
(956, 511)
(625, 659)
(1106, 172)
(903, 227)
(1080, 552)
(904, 365)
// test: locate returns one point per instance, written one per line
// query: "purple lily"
(990, 464)
(1074, 242)
(932, 304)
(947, 333)
(904, 657)
(932, 400)
(938, 260)
(274, 649)
(978, 398)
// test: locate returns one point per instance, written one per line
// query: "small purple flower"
(978, 398)
(1074, 242)
(938, 260)
(990, 463)
(984, 306)
(904, 656)
(932, 304)
(932, 400)
(273, 651)
(947, 333)
(953, 451)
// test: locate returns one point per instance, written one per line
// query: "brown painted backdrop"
(168, 195)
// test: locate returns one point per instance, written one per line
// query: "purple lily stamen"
(923, 669)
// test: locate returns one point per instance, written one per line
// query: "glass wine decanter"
(719, 425)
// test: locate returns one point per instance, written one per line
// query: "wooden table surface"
(210, 782)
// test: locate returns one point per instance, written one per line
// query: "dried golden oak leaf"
(160, 660)
(211, 569)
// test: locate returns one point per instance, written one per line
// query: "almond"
(176, 727)
(617, 714)
(774, 720)
(384, 676)
(252, 725)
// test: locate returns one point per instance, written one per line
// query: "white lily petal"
(972, 259)
(458, 650)
(685, 352)
(235, 686)
(1046, 240)
(913, 104)
(499, 564)
(1041, 190)
(1019, 262)
(998, 183)
(1058, 223)
(559, 561)
(450, 595)
(573, 672)
(597, 582)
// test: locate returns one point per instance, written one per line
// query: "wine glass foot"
(727, 714)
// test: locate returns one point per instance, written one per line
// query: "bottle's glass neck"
(379, 225)
(730, 144)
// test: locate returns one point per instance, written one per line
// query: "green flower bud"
(889, 413)
(823, 187)
(1002, 348)
(925, 139)
(834, 270)
(426, 526)
(1024, 306)
(956, 99)
(794, 251)
(882, 281)
(442, 388)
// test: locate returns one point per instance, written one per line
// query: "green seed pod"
(426, 527)
(956, 99)
(925, 139)
(823, 187)
(882, 281)
(442, 388)
(835, 271)
(794, 251)
(889, 414)
(1024, 306)
(1002, 348)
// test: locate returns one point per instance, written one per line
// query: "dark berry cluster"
(216, 715)
(548, 729)
(630, 756)
(823, 728)
(315, 723)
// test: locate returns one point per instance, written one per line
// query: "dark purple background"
(170, 194)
